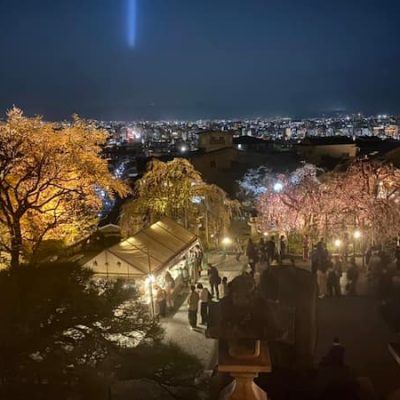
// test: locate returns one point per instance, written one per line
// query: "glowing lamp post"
(338, 244)
(278, 186)
(226, 242)
(357, 238)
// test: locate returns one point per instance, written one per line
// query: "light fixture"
(150, 279)
(226, 241)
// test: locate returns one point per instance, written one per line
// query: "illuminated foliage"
(175, 189)
(49, 179)
(293, 207)
(366, 195)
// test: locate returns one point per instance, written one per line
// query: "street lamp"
(226, 241)
(338, 243)
(265, 234)
(357, 237)
(278, 187)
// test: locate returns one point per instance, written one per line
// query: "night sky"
(192, 59)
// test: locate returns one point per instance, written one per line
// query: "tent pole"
(150, 284)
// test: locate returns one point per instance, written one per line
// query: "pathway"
(361, 329)
(177, 328)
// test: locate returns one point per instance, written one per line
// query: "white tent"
(151, 250)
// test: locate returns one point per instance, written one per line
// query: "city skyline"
(135, 59)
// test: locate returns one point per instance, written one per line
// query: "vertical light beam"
(131, 22)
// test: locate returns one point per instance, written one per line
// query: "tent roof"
(161, 242)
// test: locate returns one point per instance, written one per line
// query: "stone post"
(243, 360)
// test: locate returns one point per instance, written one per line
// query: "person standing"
(251, 253)
(282, 248)
(262, 251)
(271, 250)
(169, 289)
(161, 300)
(352, 275)
(322, 280)
(331, 281)
(205, 298)
(193, 305)
(239, 249)
(215, 280)
(335, 355)
(223, 287)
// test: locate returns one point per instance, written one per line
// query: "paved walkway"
(177, 329)
(354, 319)
(361, 329)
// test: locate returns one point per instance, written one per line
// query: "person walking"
(223, 287)
(214, 280)
(205, 298)
(193, 305)
(338, 268)
(169, 289)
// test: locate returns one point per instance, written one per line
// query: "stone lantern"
(244, 322)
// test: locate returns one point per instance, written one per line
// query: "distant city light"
(278, 187)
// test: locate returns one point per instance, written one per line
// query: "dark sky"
(200, 58)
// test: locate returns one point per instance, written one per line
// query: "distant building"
(315, 149)
(223, 160)
(392, 131)
(211, 141)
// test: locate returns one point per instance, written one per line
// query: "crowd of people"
(266, 251)
(201, 297)
(340, 274)
(336, 275)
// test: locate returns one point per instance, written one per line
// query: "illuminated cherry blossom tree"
(364, 196)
